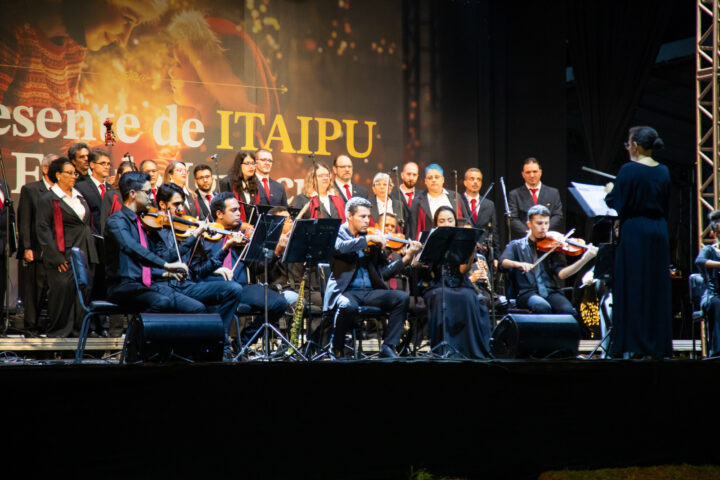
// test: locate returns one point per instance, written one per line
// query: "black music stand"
(261, 247)
(311, 242)
(445, 247)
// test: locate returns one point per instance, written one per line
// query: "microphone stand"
(8, 232)
(508, 215)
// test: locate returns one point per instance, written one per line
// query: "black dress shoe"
(388, 351)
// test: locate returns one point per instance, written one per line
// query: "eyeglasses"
(103, 164)
(324, 175)
(249, 164)
(265, 160)
(73, 173)
(204, 177)
(146, 192)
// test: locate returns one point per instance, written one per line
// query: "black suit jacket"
(301, 200)
(420, 201)
(344, 264)
(77, 231)
(3, 221)
(92, 196)
(375, 212)
(397, 195)
(357, 191)
(27, 215)
(204, 204)
(520, 200)
(278, 197)
(486, 216)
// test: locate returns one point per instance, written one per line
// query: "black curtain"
(613, 47)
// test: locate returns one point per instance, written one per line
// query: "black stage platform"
(364, 420)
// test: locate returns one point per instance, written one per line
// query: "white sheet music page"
(594, 199)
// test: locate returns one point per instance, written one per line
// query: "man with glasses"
(204, 191)
(271, 191)
(343, 171)
(95, 185)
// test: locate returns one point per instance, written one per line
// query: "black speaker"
(162, 337)
(537, 336)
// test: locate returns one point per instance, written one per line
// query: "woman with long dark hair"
(242, 182)
(642, 323)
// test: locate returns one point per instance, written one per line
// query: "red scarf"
(336, 200)
(59, 229)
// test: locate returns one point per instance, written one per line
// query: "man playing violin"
(217, 261)
(358, 278)
(222, 298)
(538, 288)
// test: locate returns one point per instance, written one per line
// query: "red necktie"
(209, 198)
(102, 190)
(227, 263)
(534, 194)
(154, 190)
(146, 277)
(473, 204)
(348, 195)
(409, 195)
(267, 188)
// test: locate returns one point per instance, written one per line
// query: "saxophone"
(298, 318)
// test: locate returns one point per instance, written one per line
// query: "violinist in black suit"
(34, 279)
(204, 182)
(271, 192)
(343, 172)
(534, 192)
(484, 216)
(63, 222)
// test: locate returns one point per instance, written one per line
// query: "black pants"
(35, 291)
(254, 295)
(157, 298)
(64, 306)
(712, 310)
(555, 302)
(395, 302)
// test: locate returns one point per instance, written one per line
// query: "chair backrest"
(697, 287)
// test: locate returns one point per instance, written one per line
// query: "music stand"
(262, 246)
(448, 246)
(311, 242)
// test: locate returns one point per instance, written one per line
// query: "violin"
(216, 232)
(554, 241)
(395, 241)
(154, 219)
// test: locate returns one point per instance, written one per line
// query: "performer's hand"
(524, 266)
(589, 277)
(224, 272)
(475, 276)
(29, 256)
(180, 277)
(235, 240)
(376, 239)
(63, 267)
(176, 267)
(591, 252)
(609, 186)
(202, 228)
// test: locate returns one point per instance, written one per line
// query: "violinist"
(358, 278)
(538, 288)
(218, 261)
(708, 262)
(222, 298)
(132, 253)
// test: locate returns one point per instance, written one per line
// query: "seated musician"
(538, 289)
(221, 298)
(132, 252)
(358, 278)
(708, 262)
(218, 261)
(467, 324)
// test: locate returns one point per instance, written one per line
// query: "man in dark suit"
(5, 209)
(34, 279)
(358, 278)
(427, 202)
(150, 167)
(343, 172)
(533, 193)
(79, 153)
(94, 187)
(204, 182)
(480, 214)
(271, 192)
(405, 193)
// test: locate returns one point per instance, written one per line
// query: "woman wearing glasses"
(177, 173)
(242, 182)
(324, 200)
(63, 222)
(642, 323)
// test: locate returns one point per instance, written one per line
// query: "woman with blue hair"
(426, 203)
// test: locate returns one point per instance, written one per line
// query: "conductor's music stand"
(446, 247)
(261, 247)
(312, 241)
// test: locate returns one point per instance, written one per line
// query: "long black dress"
(642, 323)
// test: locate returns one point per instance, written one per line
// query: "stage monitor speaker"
(536, 336)
(163, 337)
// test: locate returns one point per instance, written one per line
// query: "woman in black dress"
(467, 323)
(642, 323)
(708, 262)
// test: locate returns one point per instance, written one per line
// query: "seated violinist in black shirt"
(538, 289)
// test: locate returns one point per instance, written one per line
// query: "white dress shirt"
(73, 202)
(437, 202)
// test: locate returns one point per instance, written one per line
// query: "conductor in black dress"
(642, 319)
(534, 192)
(358, 278)
(63, 222)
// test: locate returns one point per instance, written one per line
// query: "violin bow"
(172, 230)
(545, 255)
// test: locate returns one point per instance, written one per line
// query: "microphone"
(213, 156)
(394, 169)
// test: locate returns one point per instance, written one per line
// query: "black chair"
(78, 263)
(364, 315)
(697, 287)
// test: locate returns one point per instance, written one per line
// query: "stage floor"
(365, 420)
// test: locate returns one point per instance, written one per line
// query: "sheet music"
(592, 199)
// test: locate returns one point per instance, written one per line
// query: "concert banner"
(185, 80)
